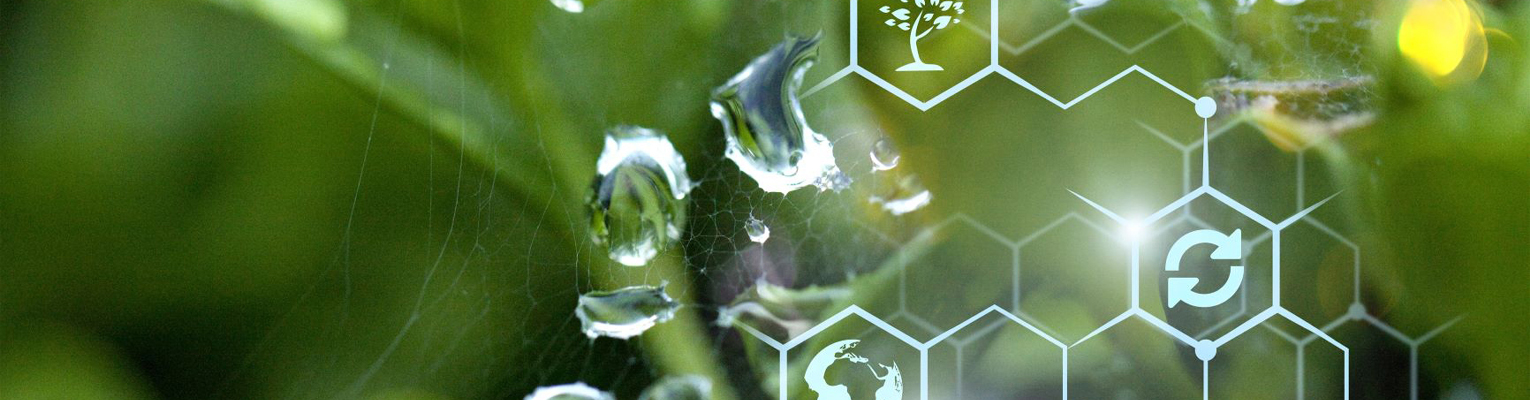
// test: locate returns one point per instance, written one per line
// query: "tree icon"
(919, 20)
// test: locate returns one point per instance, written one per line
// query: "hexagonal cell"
(923, 48)
(1074, 277)
(856, 352)
(1130, 24)
(1248, 166)
(1132, 359)
(1317, 271)
(967, 270)
(1260, 363)
(1198, 305)
(993, 358)
(1067, 63)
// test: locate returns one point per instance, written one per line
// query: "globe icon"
(892, 377)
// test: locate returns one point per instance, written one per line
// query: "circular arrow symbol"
(1228, 247)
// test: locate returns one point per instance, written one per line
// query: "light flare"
(1444, 38)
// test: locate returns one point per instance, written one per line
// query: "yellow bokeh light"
(1442, 35)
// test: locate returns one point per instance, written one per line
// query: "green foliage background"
(385, 199)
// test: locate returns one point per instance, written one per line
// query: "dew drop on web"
(905, 196)
(682, 387)
(638, 199)
(778, 311)
(884, 154)
(757, 230)
(624, 313)
(569, 391)
(573, 6)
(768, 137)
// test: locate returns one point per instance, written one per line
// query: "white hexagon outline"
(960, 218)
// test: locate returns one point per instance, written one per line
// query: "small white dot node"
(1205, 350)
(1205, 107)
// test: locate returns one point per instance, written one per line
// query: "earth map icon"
(891, 377)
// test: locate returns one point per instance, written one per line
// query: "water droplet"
(780, 312)
(684, 387)
(768, 137)
(625, 312)
(1462, 390)
(884, 154)
(907, 196)
(573, 6)
(637, 205)
(569, 391)
(757, 230)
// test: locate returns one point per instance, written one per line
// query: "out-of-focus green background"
(386, 199)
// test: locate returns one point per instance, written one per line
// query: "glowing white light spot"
(1133, 231)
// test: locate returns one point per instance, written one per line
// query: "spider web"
(478, 303)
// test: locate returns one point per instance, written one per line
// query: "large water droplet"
(684, 387)
(569, 391)
(573, 6)
(625, 312)
(767, 135)
(780, 312)
(637, 205)
(907, 196)
(884, 154)
(757, 230)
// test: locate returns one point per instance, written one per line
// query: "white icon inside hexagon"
(920, 18)
(1182, 289)
(892, 377)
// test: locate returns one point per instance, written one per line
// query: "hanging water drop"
(907, 196)
(757, 230)
(684, 387)
(768, 137)
(625, 312)
(573, 6)
(637, 204)
(569, 391)
(780, 312)
(884, 154)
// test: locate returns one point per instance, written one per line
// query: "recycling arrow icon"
(1228, 247)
